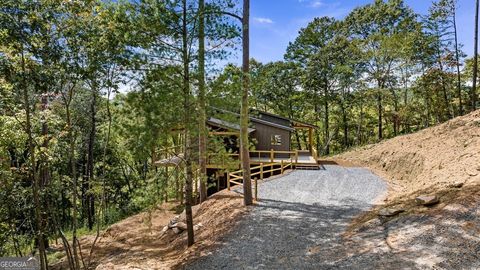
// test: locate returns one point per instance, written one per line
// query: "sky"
(275, 23)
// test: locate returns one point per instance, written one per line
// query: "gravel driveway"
(298, 222)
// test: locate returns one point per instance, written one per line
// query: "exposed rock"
(177, 230)
(182, 226)
(173, 222)
(164, 230)
(426, 200)
(390, 212)
(198, 226)
(472, 173)
(456, 185)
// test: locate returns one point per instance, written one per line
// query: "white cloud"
(263, 20)
(316, 4)
(312, 3)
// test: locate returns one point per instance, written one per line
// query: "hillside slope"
(138, 242)
(431, 162)
(435, 157)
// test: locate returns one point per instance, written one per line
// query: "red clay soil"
(138, 243)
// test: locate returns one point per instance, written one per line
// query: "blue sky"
(274, 23)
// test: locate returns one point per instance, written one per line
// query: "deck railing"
(269, 156)
(237, 176)
(293, 155)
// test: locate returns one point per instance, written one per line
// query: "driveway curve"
(298, 222)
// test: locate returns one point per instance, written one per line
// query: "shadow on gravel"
(446, 236)
(299, 223)
(284, 235)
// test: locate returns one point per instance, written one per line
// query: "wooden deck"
(297, 157)
(310, 160)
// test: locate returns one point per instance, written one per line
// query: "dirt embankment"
(443, 161)
(139, 243)
(433, 158)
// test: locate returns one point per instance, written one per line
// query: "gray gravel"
(298, 223)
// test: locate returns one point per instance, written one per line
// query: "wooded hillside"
(92, 93)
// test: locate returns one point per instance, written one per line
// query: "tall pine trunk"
(33, 170)
(202, 131)
(457, 58)
(44, 168)
(73, 174)
(187, 123)
(90, 203)
(344, 120)
(327, 120)
(244, 152)
(475, 60)
(446, 100)
(380, 109)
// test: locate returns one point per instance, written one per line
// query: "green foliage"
(104, 84)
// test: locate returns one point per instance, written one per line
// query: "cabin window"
(276, 139)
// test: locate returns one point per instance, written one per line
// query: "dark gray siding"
(263, 136)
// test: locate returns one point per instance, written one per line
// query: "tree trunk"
(360, 123)
(475, 60)
(379, 104)
(444, 88)
(327, 132)
(44, 168)
(187, 123)
(395, 117)
(202, 131)
(345, 124)
(45, 174)
(33, 171)
(317, 120)
(244, 151)
(73, 173)
(457, 58)
(90, 161)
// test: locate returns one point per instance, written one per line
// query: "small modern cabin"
(272, 151)
(271, 135)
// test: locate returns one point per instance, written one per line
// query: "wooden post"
(228, 180)
(261, 171)
(256, 188)
(281, 166)
(310, 138)
(271, 155)
(296, 157)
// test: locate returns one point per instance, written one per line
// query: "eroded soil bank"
(442, 161)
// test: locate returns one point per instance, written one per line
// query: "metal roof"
(268, 123)
(226, 125)
(294, 121)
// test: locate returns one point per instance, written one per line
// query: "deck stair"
(307, 167)
(263, 171)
